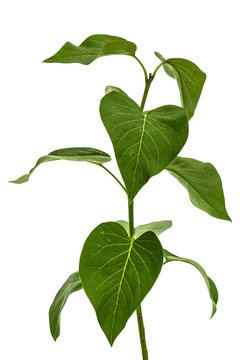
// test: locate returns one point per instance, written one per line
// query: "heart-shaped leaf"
(158, 227)
(92, 48)
(203, 184)
(213, 293)
(117, 272)
(190, 80)
(73, 154)
(72, 284)
(144, 142)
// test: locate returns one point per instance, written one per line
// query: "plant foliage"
(119, 262)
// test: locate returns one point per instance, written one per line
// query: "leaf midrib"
(120, 286)
(138, 154)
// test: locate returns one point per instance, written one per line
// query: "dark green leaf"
(190, 80)
(72, 284)
(117, 273)
(144, 142)
(73, 154)
(158, 227)
(92, 48)
(203, 184)
(213, 293)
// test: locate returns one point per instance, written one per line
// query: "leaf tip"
(214, 310)
(228, 218)
(54, 336)
(48, 60)
(21, 179)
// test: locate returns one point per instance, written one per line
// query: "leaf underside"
(190, 80)
(203, 184)
(212, 289)
(93, 48)
(144, 142)
(72, 284)
(72, 154)
(117, 273)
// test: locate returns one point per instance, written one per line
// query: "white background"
(45, 221)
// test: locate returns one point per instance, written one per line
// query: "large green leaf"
(73, 154)
(158, 227)
(72, 284)
(92, 48)
(117, 273)
(190, 80)
(213, 293)
(203, 184)
(144, 142)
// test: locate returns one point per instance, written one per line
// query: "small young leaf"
(92, 48)
(73, 154)
(213, 293)
(117, 272)
(72, 284)
(158, 227)
(203, 184)
(190, 81)
(144, 142)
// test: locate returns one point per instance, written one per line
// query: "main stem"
(148, 81)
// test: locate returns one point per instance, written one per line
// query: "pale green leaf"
(190, 80)
(72, 154)
(117, 273)
(92, 48)
(213, 293)
(109, 89)
(203, 184)
(144, 142)
(72, 284)
(158, 227)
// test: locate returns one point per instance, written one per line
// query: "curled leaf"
(72, 154)
(93, 48)
(212, 289)
(72, 284)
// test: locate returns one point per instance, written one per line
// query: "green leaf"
(203, 184)
(117, 273)
(109, 89)
(125, 225)
(157, 227)
(190, 80)
(144, 142)
(72, 284)
(73, 154)
(92, 48)
(213, 293)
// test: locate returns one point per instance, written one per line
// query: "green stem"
(148, 81)
(142, 333)
(131, 218)
(156, 70)
(143, 67)
(139, 309)
(145, 94)
(109, 172)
